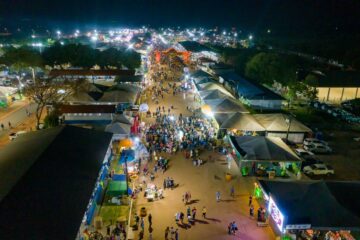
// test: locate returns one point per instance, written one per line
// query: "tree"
(52, 119)
(269, 67)
(22, 58)
(47, 92)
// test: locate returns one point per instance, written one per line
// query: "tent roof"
(203, 80)
(200, 74)
(45, 188)
(241, 121)
(211, 86)
(119, 96)
(121, 118)
(329, 205)
(226, 105)
(118, 128)
(260, 148)
(88, 108)
(216, 94)
(91, 72)
(79, 97)
(276, 122)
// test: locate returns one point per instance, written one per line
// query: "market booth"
(263, 156)
(311, 209)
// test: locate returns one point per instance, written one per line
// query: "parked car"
(14, 135)
(310, 161)
(309, 141)
(319, 169)
(318, 148)
(303, 153)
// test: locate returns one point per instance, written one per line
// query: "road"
(16, 117)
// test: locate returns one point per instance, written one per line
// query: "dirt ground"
(202, 182)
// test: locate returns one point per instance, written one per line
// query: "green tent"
(116, 188)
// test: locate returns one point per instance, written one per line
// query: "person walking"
(167, 230)
(232, 191)
(218, 196)
(251, 211)
(250, 200)
(9, 123)
(204, 212)
(150, 219)
(193, 213)
(142, 224)
(2, 127)
(172, 233)
(177, 234)
(137, 219)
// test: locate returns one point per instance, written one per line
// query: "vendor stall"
(263, 156)
(116, 188)
(312, 209)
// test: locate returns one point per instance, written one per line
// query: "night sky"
(288, 15)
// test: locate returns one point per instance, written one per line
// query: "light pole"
(289, 120)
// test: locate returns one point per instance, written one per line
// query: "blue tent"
(130, 154)
(119, 177)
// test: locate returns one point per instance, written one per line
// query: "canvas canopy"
(118, 128)
(121, 118)
(226, 105)
(241, 121)
(322, 205)
(116, 188)
(277, 122)
(216, 94)
(260, 148)
(203, 80)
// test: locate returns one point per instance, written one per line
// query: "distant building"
(251, 93)
(197, 50)
(90, 74)
(220, 68)
(337, 86)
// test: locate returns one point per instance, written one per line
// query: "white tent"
(118, 128)
(241, 121)
(260, 148)
(216, 94)
(226, 105)
(282, 125)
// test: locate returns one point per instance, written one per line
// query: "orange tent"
(126, 143)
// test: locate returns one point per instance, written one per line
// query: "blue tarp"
(90, 213)
(119, 177)
(98, 192)
(130, 154)
(104, 173)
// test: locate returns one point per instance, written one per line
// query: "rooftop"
(45, 188)
(260, 148)
(337, 78)
(325, 205)
(90, 72)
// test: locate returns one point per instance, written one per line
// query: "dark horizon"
(279, 15)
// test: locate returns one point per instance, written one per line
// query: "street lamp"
(289, 120)
(250, 37)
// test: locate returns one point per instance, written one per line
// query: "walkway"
(202, 182)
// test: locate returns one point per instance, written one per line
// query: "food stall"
(309, 210)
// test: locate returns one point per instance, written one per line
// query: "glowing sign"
(276, 214)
